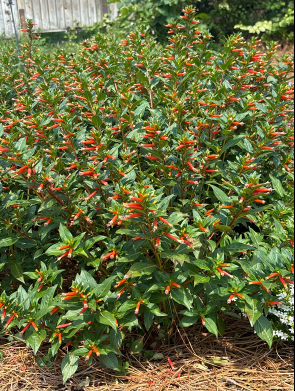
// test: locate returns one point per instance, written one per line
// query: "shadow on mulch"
(237, 361)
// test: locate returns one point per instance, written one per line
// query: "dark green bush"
(270, 19)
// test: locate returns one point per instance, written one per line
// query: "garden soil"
(191, 361)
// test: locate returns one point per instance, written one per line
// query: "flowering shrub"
(283, 316)
(142, 186)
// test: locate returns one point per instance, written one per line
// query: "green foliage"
(275, 19)
(150, 14)
(270, 19)
(142, 187)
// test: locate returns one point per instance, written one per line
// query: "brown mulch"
(286, 48)
(237, 361)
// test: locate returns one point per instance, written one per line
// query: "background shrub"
(270, 19)
(143, 187)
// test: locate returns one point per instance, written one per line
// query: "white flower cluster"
(284, 325)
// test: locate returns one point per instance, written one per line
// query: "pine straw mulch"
(238, 361)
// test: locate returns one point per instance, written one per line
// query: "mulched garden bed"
(237, 361)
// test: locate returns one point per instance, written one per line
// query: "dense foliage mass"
(143, 187)
(267, 18)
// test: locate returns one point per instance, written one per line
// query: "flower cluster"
(283, 315)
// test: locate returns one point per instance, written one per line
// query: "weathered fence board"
(53, 19)
(6, 27)
(53, 15)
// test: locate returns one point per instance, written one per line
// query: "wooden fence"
(53, 15)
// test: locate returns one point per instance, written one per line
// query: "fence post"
(14, 26)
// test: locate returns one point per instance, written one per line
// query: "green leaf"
(25, 243)
(141, 269)
(203, 15)
(237, 247)
(125, 231)
(80, 352)
(91, 242)
(110, 361)
(264, 330)
(232, 314)
(9, 241)
(219, 293)
(80, 251)
(176, 217)
(253, 311)
(129, 320)
(107, 319)
(63, 104)
(277, 185)
(211, 326)
(65, 234)
(45, 302)
(188, 321)
(158, 356)
(257, 210)
(54, 249)
(77, 240)
(88, 96)
(21, 144)
(261, 107)
(223, 228)
(248, 146)
(76, 326)
(182, 296)
(155, 309)
(221, 325)
(97, 121)
(211, 245)
(178, 258)
(35, 339)
(104, 288)
(69, 366)
(220, 195)
(232, 143)
(227, 85)
(148, 319)
(139, 112)
(163, 205)
(200, 279)
(279, 230)
(87, 280)
(116, 338)
(39, 166)
(137, 346)
(17, 271)
(201, 263)
(157, 287)
(218, 361)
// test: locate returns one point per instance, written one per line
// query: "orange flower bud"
(167, 291)
(165, 221)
